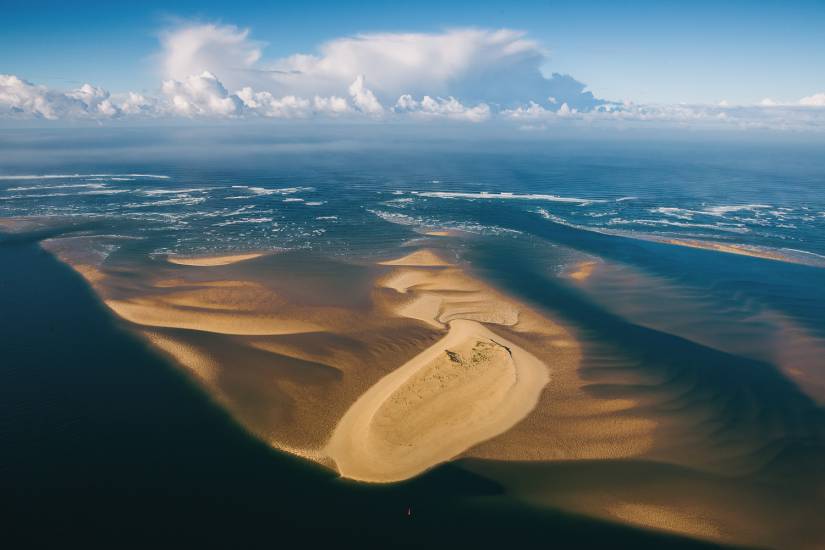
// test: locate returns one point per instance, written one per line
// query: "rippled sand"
(341, 383)
(470, 386)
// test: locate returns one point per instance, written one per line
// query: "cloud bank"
(469, 75)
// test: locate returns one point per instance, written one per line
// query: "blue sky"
(653, 52)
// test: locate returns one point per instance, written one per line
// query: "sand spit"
(210, 261)
(730, 249)
(468, 387)
(788, 256)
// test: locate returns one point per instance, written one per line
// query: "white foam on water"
(188, 201)
(104, 192)
(726, 209)
(243, 221)
(729, 227)
(272, 191)
(63, 186)
(673, 212)
(467, 227)
(153, 192)
(77, 176)
(34, 196)
(507, 196)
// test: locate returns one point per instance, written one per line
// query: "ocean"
(708, 295)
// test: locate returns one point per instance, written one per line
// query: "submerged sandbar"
(209, 261)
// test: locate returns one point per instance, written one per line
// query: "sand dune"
(470, 386)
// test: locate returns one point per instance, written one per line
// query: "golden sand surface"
(297, 371)
(419, 258)
(209, 261)
(383, 371)
(468, 387)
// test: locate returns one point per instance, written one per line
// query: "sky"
(656, 55)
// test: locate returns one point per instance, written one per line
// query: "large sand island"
(470, 386)
(417, 370)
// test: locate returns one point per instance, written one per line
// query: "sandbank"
(419, 258)
(468, 387)
(210, 261)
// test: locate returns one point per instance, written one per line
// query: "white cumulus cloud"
(201, 94)
(440, 107)
(816, 100)
(204, 95)
(19, 97)
(223, 50)
(477, 65)
(474, 75)
(363, 98)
